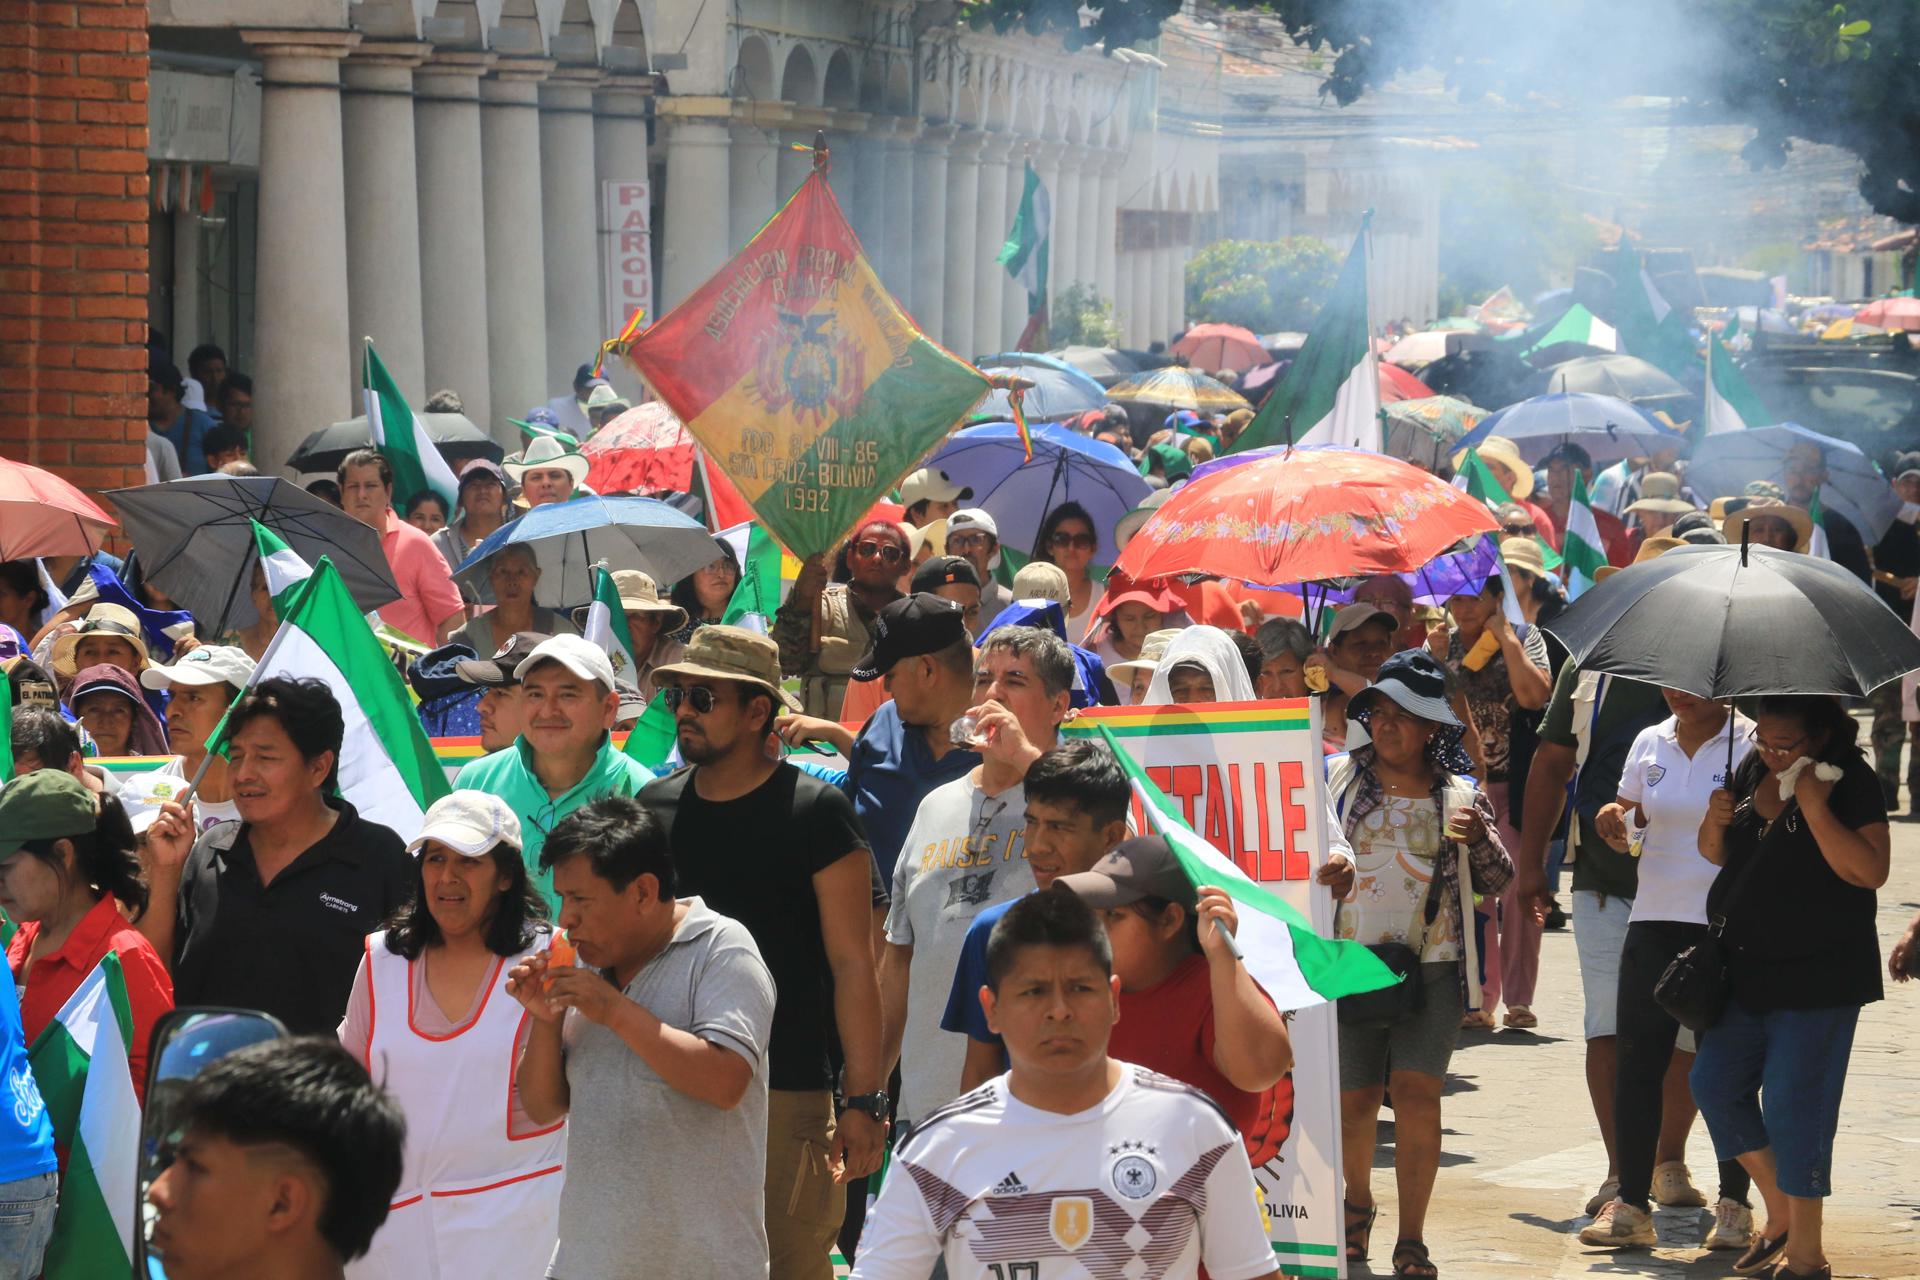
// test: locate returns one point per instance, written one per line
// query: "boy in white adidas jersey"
(1072, 1166)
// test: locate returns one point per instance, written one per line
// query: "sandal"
(1521, 1017)
(1761, 1252)
(1782, 1271)
(1359, 1234)
(1411, 1261)
(1477, 1020)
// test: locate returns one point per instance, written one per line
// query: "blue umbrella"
(1608, 428)
(1724, 464)
(1065, 468)
(568, 538)
(1457, 573)
(1058, 390)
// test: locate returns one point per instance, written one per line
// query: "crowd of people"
(627, 1020)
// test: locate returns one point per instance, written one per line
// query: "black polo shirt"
(289, 948)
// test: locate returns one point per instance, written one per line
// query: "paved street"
(1522, 1155)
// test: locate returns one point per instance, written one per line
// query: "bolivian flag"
(802, 378)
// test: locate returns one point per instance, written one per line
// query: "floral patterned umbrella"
(1269, 517)
(1423, 431)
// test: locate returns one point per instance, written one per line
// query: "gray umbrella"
(455, 435)
(195, 540)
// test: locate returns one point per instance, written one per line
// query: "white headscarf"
(1207, 647)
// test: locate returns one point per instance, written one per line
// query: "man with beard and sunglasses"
(782, 852)
(823, 627)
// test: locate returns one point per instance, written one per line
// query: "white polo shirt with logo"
(1672, 791)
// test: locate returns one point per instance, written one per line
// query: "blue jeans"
(26, 1224)
(1794, 1061)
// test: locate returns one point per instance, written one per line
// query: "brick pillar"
(73, 237)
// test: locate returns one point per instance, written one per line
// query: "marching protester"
(1055, 1119)
(973, 534)
(513, 574)
(1672, 771)
(427, 512)
(476, 1195)
(429, 606)
(107, 700)
(482, 500)
(1425, 841)
(649, 619)
(201, 686)
(502, 712)
(1069, 540)
(703, 596)
(1802, 840)
(270, 912)
(783, 853)
(548, 471)
(822, 628)
(564, 756)
(67, 871)
(660, 1033)
(1285, 648)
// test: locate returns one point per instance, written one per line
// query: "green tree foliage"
(1839, 74)
(1081, 317)
(1265, 285)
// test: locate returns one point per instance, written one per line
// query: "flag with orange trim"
(802, 377)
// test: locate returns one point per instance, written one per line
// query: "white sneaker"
(1732, 1225)
(1620, 1226)
(1608, 1190)
(1673, 1187)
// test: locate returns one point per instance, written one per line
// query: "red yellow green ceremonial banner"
(802, 378)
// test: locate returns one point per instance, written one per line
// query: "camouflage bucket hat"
(718, 652)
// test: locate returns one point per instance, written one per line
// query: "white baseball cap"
(470, 823)
(207, 664)
(576, 653)
(141, 796)
(928, 483)
(976, 518)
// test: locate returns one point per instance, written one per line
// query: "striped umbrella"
(1178, 388)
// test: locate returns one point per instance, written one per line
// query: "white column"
(791, 166)
(383, 210)
(1086, 254)
(1123, 297)
(1140, 322)
(930, 230)
(1013, 299)
(1162, 309)
(516, 241)
(302, 376)
(1067, 231)
(1106, 228)
(844, 157)
(990, 280)
(897, 231)
(453, 240)
(963, 207)
(751, 164)
(570, 224)
(697, 196)
(185, 325)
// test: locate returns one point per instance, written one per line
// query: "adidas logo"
(1009, 1186)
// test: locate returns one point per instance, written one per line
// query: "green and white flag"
(1581, 551)
(1731, 404)
(1331, 393)
(1477, 478)
(80, 1065)
(654, 735)
(757, 596)
(399, 434)
(607, 626)
(1294, 965)
(388, 769)
(282, 565)
(1028, 245)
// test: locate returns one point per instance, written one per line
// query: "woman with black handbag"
(1672, 771)
(1408, 814)
(1803, 843)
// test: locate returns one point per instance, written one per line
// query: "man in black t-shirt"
(784, 854)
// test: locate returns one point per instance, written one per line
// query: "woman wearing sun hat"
(650, 620)
(1502, 457)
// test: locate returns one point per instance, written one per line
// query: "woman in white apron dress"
(480, 1191)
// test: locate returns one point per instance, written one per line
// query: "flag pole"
(1366, 298)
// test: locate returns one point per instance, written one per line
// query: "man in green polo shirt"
(565, 756)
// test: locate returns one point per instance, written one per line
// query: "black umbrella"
(1492, 378)
(195, 541)
(1623, 377)
(455, 435)
(1730, 622)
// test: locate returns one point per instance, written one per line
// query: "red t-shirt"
(1169, 1028)
(57, 976)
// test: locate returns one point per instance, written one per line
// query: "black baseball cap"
(499, 668)
(945, 571)
(1143, 867)
(909, 627)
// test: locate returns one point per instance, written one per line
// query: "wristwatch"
(872, 1105)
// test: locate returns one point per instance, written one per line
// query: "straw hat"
(1660, 494)
(1524, 553)
(1152, 649)
(1652, 549)
(103, 619)
(1499, 449)
(1130, 523)
(1735, 526)
(639, 593)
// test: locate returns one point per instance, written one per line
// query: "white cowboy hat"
(545, 453)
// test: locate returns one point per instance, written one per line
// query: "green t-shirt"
(1625, 708)
(508, 773)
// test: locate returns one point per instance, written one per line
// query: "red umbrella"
(1397, 384)
(1214, 347)
(1891, 313)
(43, 515)
(1271, 517)
(647, 450)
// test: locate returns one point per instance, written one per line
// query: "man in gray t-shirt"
(654, 1048)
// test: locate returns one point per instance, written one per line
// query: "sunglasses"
(1078, 541)
(886, 552)
(962, 541)
(699, 695)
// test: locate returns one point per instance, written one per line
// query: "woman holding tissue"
(1672, 772)
(1802, 841)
